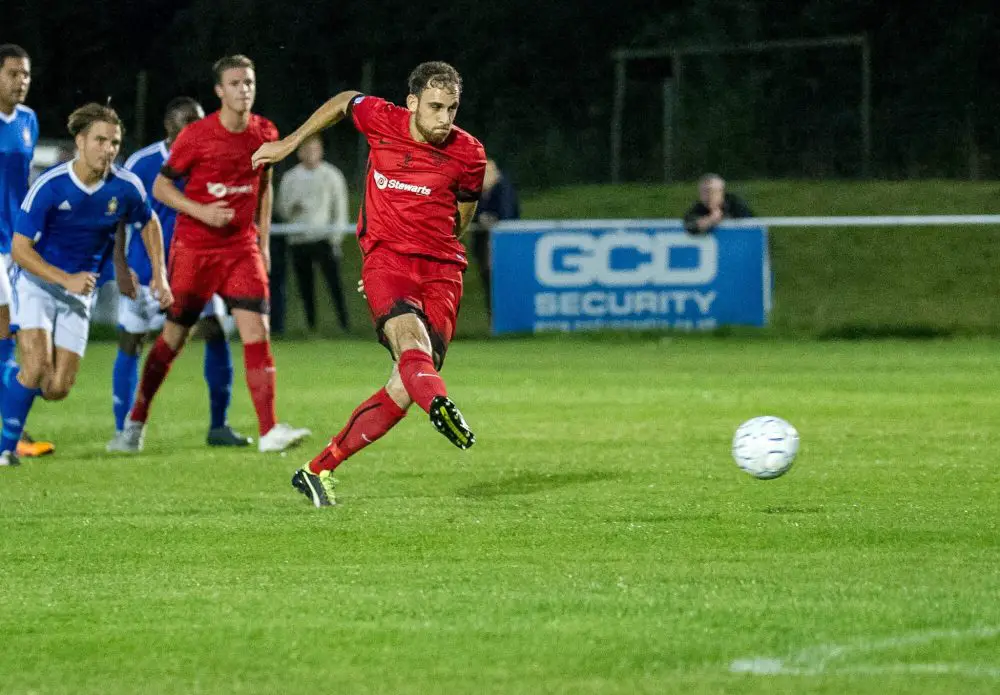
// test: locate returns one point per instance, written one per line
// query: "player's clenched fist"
(161, 290)
(272, 152)
(81, 283)
(217, 214)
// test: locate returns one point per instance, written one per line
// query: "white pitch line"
(974, 670)
(817, 660)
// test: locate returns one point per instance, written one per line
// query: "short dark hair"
(179, 105)
(315, 137)
(434, 74)
(228, 63)
(12, 50)
(88, 114)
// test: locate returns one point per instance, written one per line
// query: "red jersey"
(216, 165)
(412, 189)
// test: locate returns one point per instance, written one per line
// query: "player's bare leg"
(161, 356)
(174, 335)
(396, 390)
(131, 343)
(260, 371)
(376, 416)
(408, 338)
(37, 357)
(369, 422)
(44, 372)
(66, 366)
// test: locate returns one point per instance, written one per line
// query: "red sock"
(420, 378)
(161, 356)
(368, 422)
(260, 380)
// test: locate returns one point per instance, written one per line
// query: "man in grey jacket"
(314, 193)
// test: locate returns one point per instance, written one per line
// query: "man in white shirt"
(314, 192)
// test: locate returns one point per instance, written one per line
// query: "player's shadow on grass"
(527, 483)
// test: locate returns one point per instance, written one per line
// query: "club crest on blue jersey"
(112, 206)
(26, 136)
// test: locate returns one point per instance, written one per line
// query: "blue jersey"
(73, 225)
(18, 135)
(146, 164)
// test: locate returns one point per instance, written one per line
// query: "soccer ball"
(765, 446)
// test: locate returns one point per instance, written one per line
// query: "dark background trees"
(539, 76)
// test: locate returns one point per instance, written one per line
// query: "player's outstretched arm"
(24, 254)
(325, 116)
(217, 214)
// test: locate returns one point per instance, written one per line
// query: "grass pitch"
(598, 538)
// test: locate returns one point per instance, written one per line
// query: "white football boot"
(282, 437)
(130, 439)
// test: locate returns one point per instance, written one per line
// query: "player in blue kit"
(67, 225)
(142, 315)
(18, 135)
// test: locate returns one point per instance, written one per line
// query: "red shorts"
(238, 276)
(398, 284)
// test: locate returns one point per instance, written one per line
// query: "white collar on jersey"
(18, 108)
(89, 190)
(9, 119)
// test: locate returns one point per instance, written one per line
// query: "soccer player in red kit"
(422, 185)
(218, 248)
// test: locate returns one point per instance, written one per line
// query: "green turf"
(771, 198)
(598, 538)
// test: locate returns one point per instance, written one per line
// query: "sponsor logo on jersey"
(221, 190)
(65, 205)
(382, 182)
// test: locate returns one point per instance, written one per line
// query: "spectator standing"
(314, 193)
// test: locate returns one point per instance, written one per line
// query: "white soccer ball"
(765, 446)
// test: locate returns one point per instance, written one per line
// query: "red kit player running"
(422, 185)
(217, 246)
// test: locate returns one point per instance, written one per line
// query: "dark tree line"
(539, 76)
